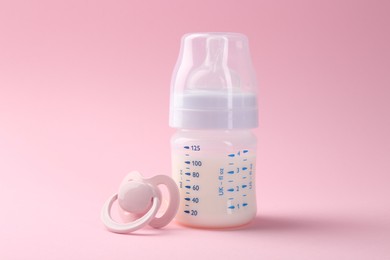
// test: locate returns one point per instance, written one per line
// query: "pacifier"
(141, 197)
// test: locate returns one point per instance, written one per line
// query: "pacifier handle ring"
(173, 200)
(122, 228)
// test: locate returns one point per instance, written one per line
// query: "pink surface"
(84, 89)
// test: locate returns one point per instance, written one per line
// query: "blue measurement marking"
(244, 195)
(187, 162)
(187, 211)
(244, 168)
(245, 160)
(187, 168)
(188, 173)
(231, 155)
(186, 147)
(231, 207)
(187, 205)
(187, 192)
(230, 172)
(188, 187)
(231, 189)
(245, 151)
(187, 154)
(244, 186)
(231, 163)
(244, 177)
(230, 198)
(244, 204)
(188, 180)
(230, 180)
(187, 199)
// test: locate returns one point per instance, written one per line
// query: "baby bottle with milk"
(213, 106)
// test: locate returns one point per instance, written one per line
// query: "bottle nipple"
(214, 72)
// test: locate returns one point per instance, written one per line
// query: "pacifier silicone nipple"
(136, 197)
(142, 197)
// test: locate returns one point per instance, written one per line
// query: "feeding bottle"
(213, 106)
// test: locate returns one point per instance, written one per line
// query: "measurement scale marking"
(230, 178)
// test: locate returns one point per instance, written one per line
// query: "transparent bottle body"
(215, 173)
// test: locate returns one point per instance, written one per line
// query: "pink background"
(84, 93)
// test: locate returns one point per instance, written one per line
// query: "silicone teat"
(142, 197)
(214, 73)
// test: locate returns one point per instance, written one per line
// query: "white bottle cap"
(214, 84)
